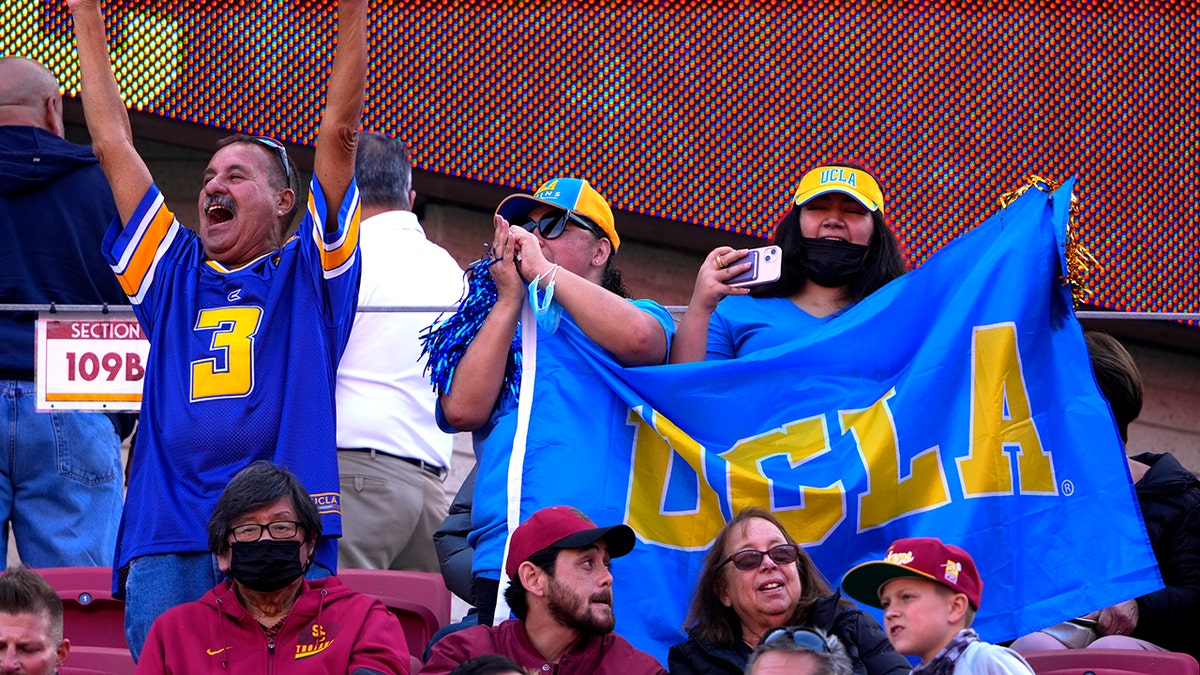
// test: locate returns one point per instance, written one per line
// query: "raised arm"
(342, 120)
(632, 336)
(107, 118)
(691, 340)
(479, 376)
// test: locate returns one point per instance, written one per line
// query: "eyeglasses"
(552, 225)
(750, 559)
(272, 144)
(803, 637)
(280, 529)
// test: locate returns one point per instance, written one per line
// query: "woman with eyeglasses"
(553, 253)
(756, 578)
(836, 250)
(267, 617)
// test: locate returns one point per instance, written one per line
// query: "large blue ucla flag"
(956, 402)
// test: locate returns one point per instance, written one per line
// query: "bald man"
(60, 483)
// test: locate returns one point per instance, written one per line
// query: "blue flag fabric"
(956, 402)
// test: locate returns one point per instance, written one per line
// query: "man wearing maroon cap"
(929, 593)
(561, 594)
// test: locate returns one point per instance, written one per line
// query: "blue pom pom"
(445, 342)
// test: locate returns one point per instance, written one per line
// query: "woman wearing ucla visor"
(554, 247)
(836, 250)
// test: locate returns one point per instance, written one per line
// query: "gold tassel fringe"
(1080, 261)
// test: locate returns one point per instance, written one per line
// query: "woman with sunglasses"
(555, 247)
(756, 578)
(837, 249)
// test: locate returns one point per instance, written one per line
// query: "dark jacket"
(600, 655)
(1170, 499)
(455, 555)
(55, 206)
(865, 641)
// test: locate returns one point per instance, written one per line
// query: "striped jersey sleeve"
(136, 250)
(337, 245)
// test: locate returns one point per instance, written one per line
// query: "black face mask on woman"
(266, 565)
(833, 263)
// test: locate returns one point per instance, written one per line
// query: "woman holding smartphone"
(837, 249)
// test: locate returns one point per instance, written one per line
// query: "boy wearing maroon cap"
(561, 594)
(929, 593)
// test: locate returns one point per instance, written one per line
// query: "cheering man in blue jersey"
(245, 329)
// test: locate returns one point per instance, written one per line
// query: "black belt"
(437, 471)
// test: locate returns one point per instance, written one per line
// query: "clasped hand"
(519, 259)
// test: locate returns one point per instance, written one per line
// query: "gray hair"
(258, 485)
(383, 171)
(833, 661)
(23, 591)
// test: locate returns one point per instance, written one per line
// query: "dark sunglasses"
(553, 224)
(272, 144)
(803, 637)
(749, 559)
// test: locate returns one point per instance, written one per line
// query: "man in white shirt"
(392, 457)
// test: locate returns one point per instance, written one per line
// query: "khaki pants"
(390, 510)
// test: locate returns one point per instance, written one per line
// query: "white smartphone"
(766, 263)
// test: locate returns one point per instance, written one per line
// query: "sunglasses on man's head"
(749, 559)
(798, 634)
(272, 144)
(553, 224)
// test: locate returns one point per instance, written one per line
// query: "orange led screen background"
(708, 113)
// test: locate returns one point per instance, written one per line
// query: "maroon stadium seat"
(1111, 662)
(91, 616)
(91, 659)
(419, 599)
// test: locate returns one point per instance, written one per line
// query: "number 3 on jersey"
(230, 373)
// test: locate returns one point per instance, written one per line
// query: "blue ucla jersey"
(242, 367)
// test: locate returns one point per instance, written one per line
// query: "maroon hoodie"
(598, 655)
(330, 629)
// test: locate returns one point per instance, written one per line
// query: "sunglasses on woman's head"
(553, 224)
(749, 559)
(797, 634)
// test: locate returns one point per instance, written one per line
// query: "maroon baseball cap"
(919, 557)
(563, 527)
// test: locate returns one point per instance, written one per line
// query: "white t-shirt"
(384, 400)
(982, 658)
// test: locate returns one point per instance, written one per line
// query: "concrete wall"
(1170, 420)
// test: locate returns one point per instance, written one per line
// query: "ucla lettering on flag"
(956, 402)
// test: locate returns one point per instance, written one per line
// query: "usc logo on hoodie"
(318, 645)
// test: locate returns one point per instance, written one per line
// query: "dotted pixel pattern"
(709, 112)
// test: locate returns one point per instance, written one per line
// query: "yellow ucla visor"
(854, 182)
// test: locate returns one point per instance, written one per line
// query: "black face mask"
(833, 263)
(266, 565)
